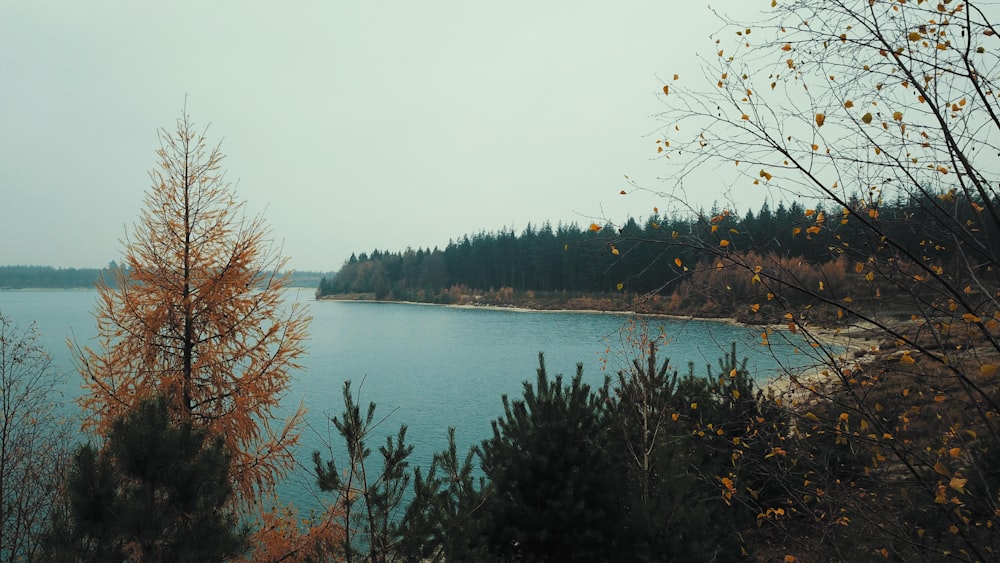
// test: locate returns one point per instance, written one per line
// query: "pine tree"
(554, 492)
(156, 492)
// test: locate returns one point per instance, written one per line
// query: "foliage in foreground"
(155, 492)
(196, 314)
(642, 468)
(858, 104)
(34, 440)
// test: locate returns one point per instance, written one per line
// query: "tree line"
(48, 277)
(658, 255)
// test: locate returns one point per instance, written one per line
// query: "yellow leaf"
(906, 358)
(955, 452)
(958, 484)
(764, 174)
(694, 406)
(941, 469)
(620, 286)
(595, 227)
(723, 242)
(914, 36)
(820, 119)
(970, 318)
(675, 416)
(897, 115)
(678, 262)
(867, 118)
(755, 307)
(988, 370)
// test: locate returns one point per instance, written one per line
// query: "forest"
(48, 277)
(660, 263)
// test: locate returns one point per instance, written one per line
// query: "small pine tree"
(155, 492)
(555, 495)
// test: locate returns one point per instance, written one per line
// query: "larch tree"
(856, 104)
(196, 313)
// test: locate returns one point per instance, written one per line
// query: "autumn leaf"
(820, 119)
(666, 90)
(866, 118)
(958, 484)
(678, 262)
(595, 227)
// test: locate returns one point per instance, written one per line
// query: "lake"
(429, 367)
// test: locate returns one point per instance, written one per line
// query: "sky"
(349, 125)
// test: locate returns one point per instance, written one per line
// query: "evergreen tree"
(155, 492)
(555, 494)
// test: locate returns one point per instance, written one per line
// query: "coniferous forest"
(661, 262)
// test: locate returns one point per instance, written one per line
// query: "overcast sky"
(350, 125)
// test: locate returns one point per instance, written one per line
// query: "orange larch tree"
(196, 313)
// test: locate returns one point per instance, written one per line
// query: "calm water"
(427, 367)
